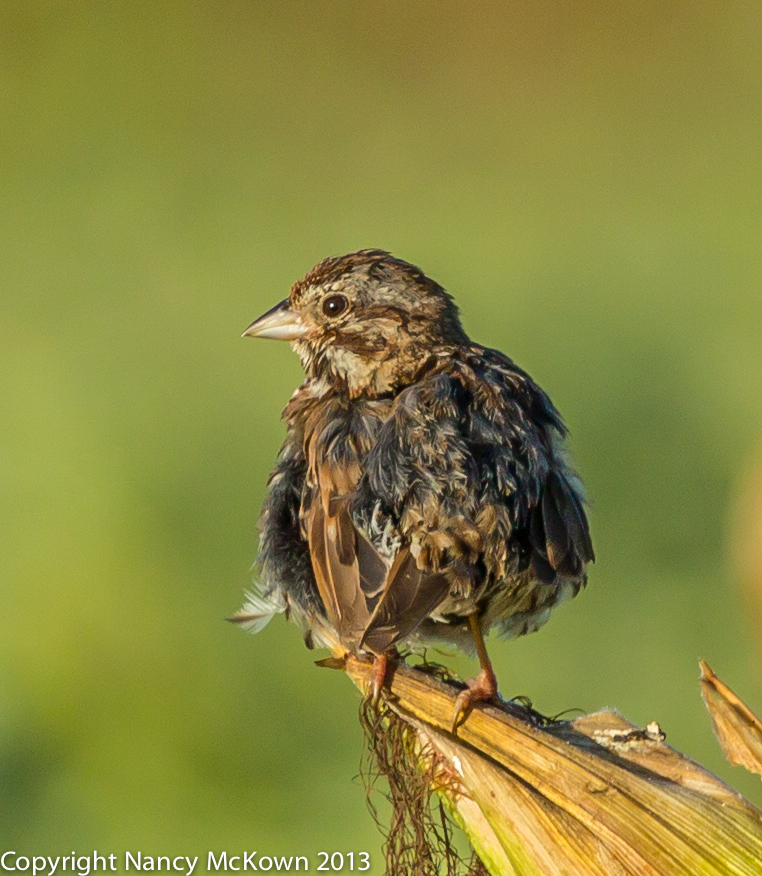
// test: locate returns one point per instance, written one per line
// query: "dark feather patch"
(410, 595)
(556, 532)
(372, 570)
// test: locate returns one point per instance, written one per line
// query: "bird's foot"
(379, 674)
(480, 690)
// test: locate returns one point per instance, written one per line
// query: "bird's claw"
(378, 677)
(480, 689)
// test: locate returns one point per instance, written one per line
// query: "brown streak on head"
(374, 260)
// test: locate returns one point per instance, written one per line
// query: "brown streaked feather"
(333, 549)
(373, 570)
(315, 526)
(344, 573)
(340, 532)
(408, 598)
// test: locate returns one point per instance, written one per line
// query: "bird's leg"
(481, 688)
(379, 673)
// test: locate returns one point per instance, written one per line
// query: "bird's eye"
(335, 305)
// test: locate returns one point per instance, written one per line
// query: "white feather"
(259, 609)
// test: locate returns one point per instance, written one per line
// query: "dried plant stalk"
(592, 796)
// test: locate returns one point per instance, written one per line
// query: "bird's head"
(366, 323)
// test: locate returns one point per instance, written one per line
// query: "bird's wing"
(337, 550)
(408, 597)
(530, 463)
(373, 570)
(352, 578)
(559, 532)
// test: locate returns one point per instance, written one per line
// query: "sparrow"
(423, 495)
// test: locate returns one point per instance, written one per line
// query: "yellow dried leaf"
(738, 729)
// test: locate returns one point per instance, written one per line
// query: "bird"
(424, 494)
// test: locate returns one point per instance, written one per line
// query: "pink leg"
(483, 687)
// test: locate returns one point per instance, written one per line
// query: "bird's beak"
(280, 323)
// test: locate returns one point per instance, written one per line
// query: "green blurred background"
(585, 178)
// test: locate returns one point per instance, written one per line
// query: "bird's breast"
(338, 435)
